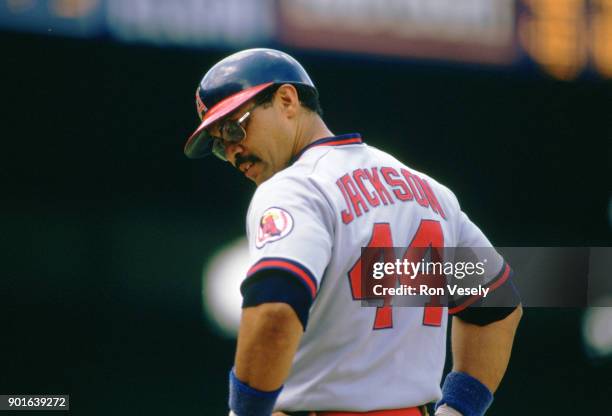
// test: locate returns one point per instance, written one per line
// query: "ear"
(287, 99)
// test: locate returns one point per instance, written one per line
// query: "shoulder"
(443, 193)
(290, 189)
(289, 183)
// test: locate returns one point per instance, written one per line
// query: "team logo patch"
(275, 223)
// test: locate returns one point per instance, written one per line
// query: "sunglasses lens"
(218, 149)
(233, 131)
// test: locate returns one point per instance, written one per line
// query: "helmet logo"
(200, 106)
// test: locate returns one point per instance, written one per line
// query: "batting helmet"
(235, 80)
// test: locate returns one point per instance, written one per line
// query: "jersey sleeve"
(289, 228)
(474, 247)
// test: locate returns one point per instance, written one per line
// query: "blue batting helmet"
(235, 80)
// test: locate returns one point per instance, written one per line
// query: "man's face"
(266, 149)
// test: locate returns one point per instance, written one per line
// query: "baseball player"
(306, 345)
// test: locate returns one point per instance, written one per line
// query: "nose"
(231, 150)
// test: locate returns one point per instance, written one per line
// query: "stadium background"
(106, 225)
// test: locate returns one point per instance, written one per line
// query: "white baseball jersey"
(312, 219)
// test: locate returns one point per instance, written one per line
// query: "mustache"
(240, 159)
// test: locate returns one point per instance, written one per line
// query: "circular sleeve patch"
(275, 223)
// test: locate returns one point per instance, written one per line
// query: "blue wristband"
(465, 394)
(247, 401)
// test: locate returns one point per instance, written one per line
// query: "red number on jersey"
(428, 235)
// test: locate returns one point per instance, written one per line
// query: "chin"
(258, 180)
(261, 178)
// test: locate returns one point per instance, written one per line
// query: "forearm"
(484, 351)
(267, 341)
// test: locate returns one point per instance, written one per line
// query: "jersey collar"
(342, 140)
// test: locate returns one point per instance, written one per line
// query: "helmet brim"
(199, 145)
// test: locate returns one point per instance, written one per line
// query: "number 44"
(428, 235)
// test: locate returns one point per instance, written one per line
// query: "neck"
(310, 129)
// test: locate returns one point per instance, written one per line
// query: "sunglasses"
(232, 131)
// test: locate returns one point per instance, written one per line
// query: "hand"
(445, 410)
